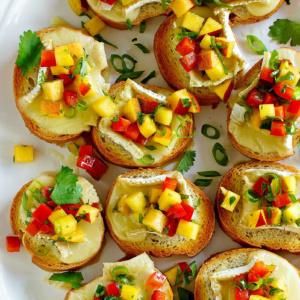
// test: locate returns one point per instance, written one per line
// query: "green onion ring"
(125, 68)
(222, 4)
(161, 132)
(217, 150)
(69, 112)
(252, 196)
(213, 43)
(206, 127)
(292, 128)
(25, 202)
(277, 179)
(260, 47)
(120, 271)
(148, 157)
(41, 251)
(82, 105)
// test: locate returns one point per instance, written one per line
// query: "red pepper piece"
(109, 2)
(71, 209)
(67, 78)
(86, 150)
(189, 61)
(186, 46)
(51, 204)
(283, 90)
(33, 228)
(85, 162)
(112, 290)
(121, 125)
(259, 292)
(155, 281)
(265, 74)
(261, 186)
(280, 111)
(259, 270)
(170, 184)
(46, 191)
(282, 200)
(255, 98)
(141, 140)
(98, 170)
(158, 295)
(46, 228)
(176, 211)
(13, 244)
(270, 99)
(183, 266)
(171, 226)
(48, 58)
(182, 110)
(42, 213)
(70, 98)
(294, 107)
(148, 105)
(241, 294)
(278, 128)
(96, 205)
(132, 132)
(83, 88)
(189, 212)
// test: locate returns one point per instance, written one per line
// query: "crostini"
(249, 274)
(142, 125)
(132, 279)
(58, 220)
(263, 120)
(55, 97)
(258, 205)
(158, 212)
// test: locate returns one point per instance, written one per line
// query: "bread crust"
(110, 155)
(273, 239)
(47, 262)
(191, 248)
(202, 280)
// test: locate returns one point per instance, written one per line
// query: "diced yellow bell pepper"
(65, 225)
(23, 153)
(163, 139)
(192, 22)
(266, 110)
(180, 7)
(188, 229)
(104, 107)
(155, 220)
(56, 215)
(136, 202)
(154, 195)
(53, 90)
(63, 57)
(51, 109)
(131, 109)
(130, 292)
(230, 200)
(163, 115)
(76, 237)
(74, 146)
(94, 25)
(292, 212)
(291, 184)
(77, 7)
(88, 209)
(167, 199)
(147, 126)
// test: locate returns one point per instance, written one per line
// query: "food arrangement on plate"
(62, 90)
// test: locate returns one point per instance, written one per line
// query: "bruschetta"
(251, 274)
(263, 119)
(58, 219)
(142, 125)
(258, 205)
(55, 97)
(131, 279)
(158, 212)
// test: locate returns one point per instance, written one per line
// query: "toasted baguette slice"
(238, 258)
(272, 238)
(51, 261)
(141, 265)
(153, 243)
(117, 155)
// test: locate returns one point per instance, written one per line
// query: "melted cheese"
(258, 9)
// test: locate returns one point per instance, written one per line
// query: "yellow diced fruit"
(206, 42)
(286, 68)
(255, 120)
(180, 7)
(217, 72)
(23, 153)
(136, 202)
(88, 209)
(274, 185)
(291, 184)
(227, 46)
(211, 27)
(105, 107)
(76, 237)
(192, 22)
(163, 115)
(257, 297)
(256, 219)
(77, 7)
(51, 109)
(230, 201)
(174, 98)
(155, 220)
(292, 213)
(154, 195)
(172, 275)
(188, 229)
(63, 57)
(126, 2)
(56, 215)
(271, 269)
(266, 110)
(163, 139)
(94, 25)
(147, 126)
(65, 225)
(278, 284)
(53, 90)
(59, 70)
(122, 207)
(74, 146)
(223, 90)
(87, 81)
(138, 216)
(76, 50)
(130, 292)
(131, 109)
(167, 199)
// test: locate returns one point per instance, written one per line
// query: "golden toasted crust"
(48, 262)
(163, 246)
(108, 151)
(232, 258)
(273, 239)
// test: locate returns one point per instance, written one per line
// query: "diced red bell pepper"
(280, 111)
(46, 191)
(86, 150)
(109, 2)
(283, 90)
(96, 205)
(70, 98)
(294, 107)
(241, 294)
(184, 265)
(121, 125)
(85, 216)
(155, 281)
(172, 225)
(148, 105)
(261, 186)
(141, 139)
(176, 211)
(265, 74)
(71, 209)
(278, 128)
(98, 169)
(195, 108)
(13, 244)
(132, 132)
(112, 290)
(259, 292)
(180, 109)
(34, 227)
(189, 61)
(270, 99)
(189, 212)
(158, 295)
(259, 270)
(255, 98)
(239, 277)
(42, 213)
(85, 162)
(51, 204)
(48, 58)
(83, 88)
(170, 184)
(46, 228)
(186, 46)
(96, 298)
(282, 200)
(67, 78)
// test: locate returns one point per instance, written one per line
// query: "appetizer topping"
(230, 200)
(13, 244)
(23, 153)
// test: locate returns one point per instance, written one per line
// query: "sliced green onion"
(222, 4)
(256, 44)
(125, 67)
(131, 75)
(209, 174)
(128, 24)
(120, 271)
(274, 60)
(203, 182)
(69, 112)
(182, 35)
(213, 43)
(99, 38)
(191, 274)
(147, 78)
(293, 198)
(142, 26)
(178, 274)
(151, 147)
(277, 180)
(142, 48)
(25, 202)
(254, 286)
(184, 294)
(287, 76)
(41, 251)
(82, 105)
(219, 154)
(252, 196)
(100, 291)
(147, 160)
(206, 127)
(183, 196)
(163, 130)
(290, 130)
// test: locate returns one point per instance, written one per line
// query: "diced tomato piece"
(83, 88)
(132, 132)
(189, 212)
(71, 209)
(67, 78)
(158, 295)
(48, 58)
(34, 227)
(270, 99)
(46, 228)
(141, 139)
(186, 46)
(261, 186)
(259, 270)
(42, 213)
(241, 294)
(46, 191)
(13, 244)
(109, 2)
(265, 74)
(51, 204)
(172, 225)
(259, 292)
(294, 107)
(176, 211)
(112, 290)
(96, 298)
(70, 98)
(182, 110)
(255, 98)
(86, 150)
(170, 184)
(184, 265)
(239, 277)
(282, 200)
(189, 61)
(155, 281)
(85, 162)
(121, 125)
(283, 90)
(98, 169)
(96, 205)
(148, 105)
(280, 111)
(278, 128)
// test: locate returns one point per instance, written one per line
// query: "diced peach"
(188, 229)
(164, 139)
(195, 107)
(180, 7)
(192, 22)
(211, 27)
(227, 46)
(163, 115)
(59, 70)
(256, 219)
(77, 6)
(224, 89)
(63, 57)
(76, 50)
(147, 126)
(217, 73)
(131, 110)
(50, 108)
(207, 60)
(275, 215)
(94, 25)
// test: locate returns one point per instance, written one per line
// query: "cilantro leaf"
(30, 49)
(284, 30)
(187, 161)
(73, 278)
(66, 190)
(81, 67)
